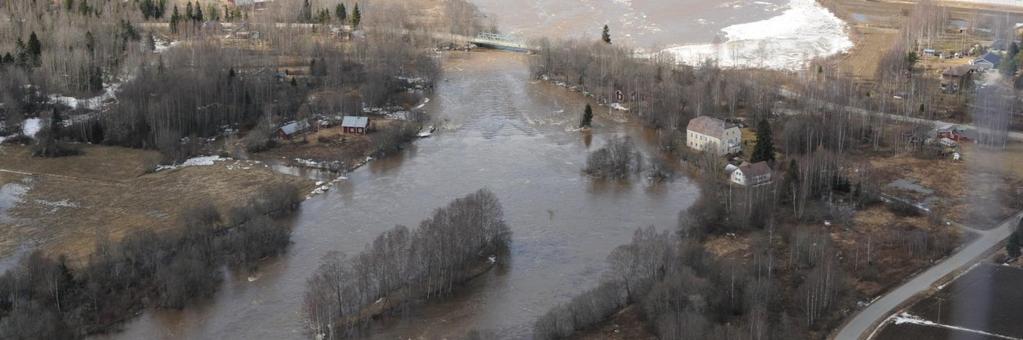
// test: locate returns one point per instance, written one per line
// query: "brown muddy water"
(498, 130)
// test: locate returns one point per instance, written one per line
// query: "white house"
(713, 135)
(752, 175)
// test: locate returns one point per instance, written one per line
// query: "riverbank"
(61, 205)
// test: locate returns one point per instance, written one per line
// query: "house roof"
(293, 127)
(990, 57)
(755, 169)
(709, 126)
(356, 122)
(958, 70)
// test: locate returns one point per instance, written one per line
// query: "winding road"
(863, 323)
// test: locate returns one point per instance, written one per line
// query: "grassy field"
(108, 191)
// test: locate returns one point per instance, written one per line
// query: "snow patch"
(195, 161)
(94, 103)
(31, 126)
(802, 32)
(904, 317)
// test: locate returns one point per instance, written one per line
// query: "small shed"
(291, 129)
(354, 124)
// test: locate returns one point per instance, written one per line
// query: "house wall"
(738, 178)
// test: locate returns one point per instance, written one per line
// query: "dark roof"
(293, 127)
(755, 169)
(356, 122)
(709, 126)
(991, 57)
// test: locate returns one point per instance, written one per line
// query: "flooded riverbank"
(497, 130)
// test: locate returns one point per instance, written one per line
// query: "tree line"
(402, 266)
(658, 90)
(47, 298)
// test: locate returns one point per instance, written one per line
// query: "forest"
(52, 298)
(401, 266)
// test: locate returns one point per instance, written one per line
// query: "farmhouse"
(988, 61)
(713, 135)
(353, 124)
(291, 129)
(955, 78)
(752, 175)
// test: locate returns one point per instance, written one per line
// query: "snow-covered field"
(805, 30)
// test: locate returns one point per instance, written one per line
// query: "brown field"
(984, 299)
(978, 191)
(107, 190)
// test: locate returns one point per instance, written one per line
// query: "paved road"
(866, 320)
(1013, 135)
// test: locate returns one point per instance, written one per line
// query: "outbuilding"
(291, 129)
(355, 124)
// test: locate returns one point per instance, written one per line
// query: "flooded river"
(499, 131)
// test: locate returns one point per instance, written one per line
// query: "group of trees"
(616, 160)
(306, 14)
(401, 266)
(684, 292)
(45, 298)
(664, 94)
(25, 55)
(152, 9)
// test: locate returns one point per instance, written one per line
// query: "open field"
(986, 299)
(978, 191)
(64, 203)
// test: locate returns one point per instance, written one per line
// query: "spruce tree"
(606, 35)
(35, 49)
(587, 117)
(8, 59)
(341, 13)
(188, 11)
(764, 150)
(356, 16)
(175, 18)
(198, 12)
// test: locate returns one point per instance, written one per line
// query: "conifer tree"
(606, 35)
(764, 150)
(175, 18)
(341, 13)
(587, 117)
(35, 49)
(356, 16)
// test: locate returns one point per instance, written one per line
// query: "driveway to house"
(862, 324)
